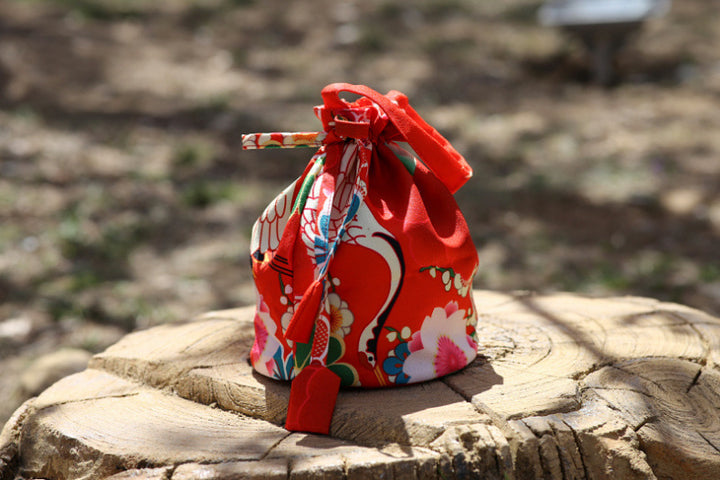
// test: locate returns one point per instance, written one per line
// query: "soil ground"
(125, 200)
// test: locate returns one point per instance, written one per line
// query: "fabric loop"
(432, 148)
(347, 128)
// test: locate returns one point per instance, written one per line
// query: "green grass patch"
(440, 9)
(98, 254)
(106, 10)
(455, 48)
(709, 273)
(372, 39)
(205, 193)
(60, 308)
(84, 280)
(193, 154)
(523, 13)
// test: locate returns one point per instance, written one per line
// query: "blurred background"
(125, 200)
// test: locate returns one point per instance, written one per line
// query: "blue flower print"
(393, 365)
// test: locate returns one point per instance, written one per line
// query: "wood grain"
(565, 387)
(100, 434)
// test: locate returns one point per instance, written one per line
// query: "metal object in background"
(603, 25)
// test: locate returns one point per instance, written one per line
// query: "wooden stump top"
(565, 387)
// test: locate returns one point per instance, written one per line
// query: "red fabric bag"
(364, 265)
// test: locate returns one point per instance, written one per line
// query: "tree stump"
(565, 387)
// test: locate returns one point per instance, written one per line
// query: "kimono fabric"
(364, 265)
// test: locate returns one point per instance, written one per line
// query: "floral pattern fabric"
(441, 346)
(370, 248)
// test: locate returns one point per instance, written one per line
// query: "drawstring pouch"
(364, 265)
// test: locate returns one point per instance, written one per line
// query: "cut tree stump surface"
(565, 387)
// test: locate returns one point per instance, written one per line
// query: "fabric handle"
(256, 141)
(432, 148)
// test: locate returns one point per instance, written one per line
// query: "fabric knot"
(347, 128)
(361, 120)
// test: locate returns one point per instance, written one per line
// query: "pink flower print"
(266, 345)
(415, 343)
(472, 343)
(451, 308)
(441, 346)
(261, 335)
(270, 365)
(449, 358)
